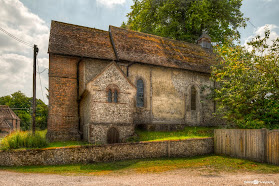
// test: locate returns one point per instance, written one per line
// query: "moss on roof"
(130, 46)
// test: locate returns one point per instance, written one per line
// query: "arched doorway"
(112, 136)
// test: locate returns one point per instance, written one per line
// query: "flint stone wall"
(107, 153)
(98, 132)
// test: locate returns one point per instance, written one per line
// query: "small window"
(109, 96)
(140, 93)
(115, 96)
(193, 98)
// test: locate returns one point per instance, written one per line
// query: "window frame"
(140, 93)
(109, 96)
(115, 96)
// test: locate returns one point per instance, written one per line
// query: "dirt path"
(177, 177)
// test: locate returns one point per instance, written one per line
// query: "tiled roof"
(130, 46)
(7, 114)
(77, 40)
(5, 125)
(146, 48)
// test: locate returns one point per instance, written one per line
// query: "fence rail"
(260, 145)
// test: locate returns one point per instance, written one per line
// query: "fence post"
(264, 136)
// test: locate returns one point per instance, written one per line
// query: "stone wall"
(89, 69)
(97, 133)
(106, 153)
(98, 115)
(167, 94)
(101, 111)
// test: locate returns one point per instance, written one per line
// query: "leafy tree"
(248, 79)
(186, 19)
(21, 105)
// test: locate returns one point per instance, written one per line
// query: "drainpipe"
(112, 43)
(78, 100)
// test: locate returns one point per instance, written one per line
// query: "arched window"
(140, 93)
(193, 98)
(115, 96)
(109, 96)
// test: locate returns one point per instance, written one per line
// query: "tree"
(248, 79)
(186, 19)
(21, 105)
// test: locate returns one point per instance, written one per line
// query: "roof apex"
(118, 68)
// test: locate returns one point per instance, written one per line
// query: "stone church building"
(104, 83)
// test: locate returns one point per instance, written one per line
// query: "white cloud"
(16, 59)
(260, 31)
(111, 3)
(15, 73)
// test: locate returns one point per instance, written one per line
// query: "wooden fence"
(260, 145)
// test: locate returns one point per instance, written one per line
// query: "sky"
(29, 20)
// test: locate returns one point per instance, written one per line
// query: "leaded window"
(109, 96)
(140, 93)
(115, 96)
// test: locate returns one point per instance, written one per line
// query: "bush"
(22, 139)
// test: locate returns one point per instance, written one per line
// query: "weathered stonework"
(107, 153)
(98, 132)
(80, 75)
(99, 115)
(63, 105)
(167, 98)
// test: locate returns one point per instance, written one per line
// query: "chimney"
(205, 40)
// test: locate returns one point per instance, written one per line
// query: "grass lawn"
(67, 144)
(142, 135)
(206, 163)
(188, 132)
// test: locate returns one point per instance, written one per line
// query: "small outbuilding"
(9, 121)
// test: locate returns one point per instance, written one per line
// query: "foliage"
(23, 105)
(185, 20)
(188, 132)
(22, 139)
(208, 164)
(248, 79)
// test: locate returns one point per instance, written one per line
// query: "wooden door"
(112, 136)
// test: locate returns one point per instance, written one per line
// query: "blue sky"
(30, 21)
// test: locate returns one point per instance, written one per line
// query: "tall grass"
(22, 139)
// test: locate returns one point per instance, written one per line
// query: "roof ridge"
(163, 38)
(70, 24)
(9, 111)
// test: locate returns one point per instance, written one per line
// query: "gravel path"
(177, 177)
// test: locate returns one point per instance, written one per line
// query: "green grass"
(211, 164)
(67, 143)
(23, 139)
(142, 135)
(188, 132)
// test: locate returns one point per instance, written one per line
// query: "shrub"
(22, 139)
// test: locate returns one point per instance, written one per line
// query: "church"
(103, 84)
